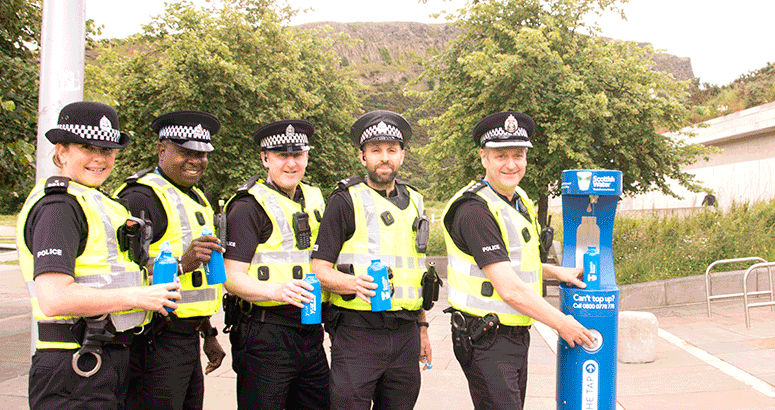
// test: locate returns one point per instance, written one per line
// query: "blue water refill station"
(586, 376)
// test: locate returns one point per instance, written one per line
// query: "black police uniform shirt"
(254, 228)
(338, 226)
(139, 197)
(56, 232)
(475, 231)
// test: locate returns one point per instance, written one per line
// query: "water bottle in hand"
(165, 267)
(214, 269)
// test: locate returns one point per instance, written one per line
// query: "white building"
(743, 170)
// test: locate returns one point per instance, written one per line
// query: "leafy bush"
(663, 247)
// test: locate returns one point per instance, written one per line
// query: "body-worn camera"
(302, 230)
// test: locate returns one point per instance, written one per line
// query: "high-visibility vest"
(279, 259)
(385, 232)
(469, 288)
(185, 220)
(101, 265)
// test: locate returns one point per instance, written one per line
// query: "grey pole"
(63, 40)
(62, 44)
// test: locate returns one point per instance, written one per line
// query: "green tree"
(243, 63)
(19, 38)
(595, 101)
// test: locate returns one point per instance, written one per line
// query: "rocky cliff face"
(393, 51)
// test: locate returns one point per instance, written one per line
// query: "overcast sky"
(723, 39)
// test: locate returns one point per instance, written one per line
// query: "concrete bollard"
(637, 337)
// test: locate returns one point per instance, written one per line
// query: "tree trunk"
(543, 209)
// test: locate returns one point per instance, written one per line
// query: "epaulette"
(137, 175)
(56, 185)
(474, 188)
(350, 181)
(249, 184)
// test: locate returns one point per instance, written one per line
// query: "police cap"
(504, 129)
(380, 125)
(285, 136)
(91, 123)
(189, 129)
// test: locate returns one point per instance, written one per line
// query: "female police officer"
(87, 295)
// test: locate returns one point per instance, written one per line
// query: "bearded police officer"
(495, 271)
(374, 355)
(166, 367)
(272, 224)
(74, 250)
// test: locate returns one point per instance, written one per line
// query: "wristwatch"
(422, 324)
(209, 332)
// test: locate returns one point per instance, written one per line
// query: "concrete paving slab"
(707, 400)
(717, 348)
(756, 362)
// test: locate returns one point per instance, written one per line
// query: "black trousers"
(279, 367)
(167, 372)
(497, 373)
(53, 384)
(379, 365)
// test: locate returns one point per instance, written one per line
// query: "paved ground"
(702, 363)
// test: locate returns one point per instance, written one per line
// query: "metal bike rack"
(747, 305)
(708, 296)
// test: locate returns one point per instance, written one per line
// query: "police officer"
(166, 367)
(494, 268)
(374, 355)
(272, 224)
(87, 295)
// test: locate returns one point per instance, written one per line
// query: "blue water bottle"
(310, 313)
(592, 268)
(381, 301)
(214, 269)
(165, 267)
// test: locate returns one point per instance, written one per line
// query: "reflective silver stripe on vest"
(515, 241)
(407, 292)
(289, 240)
(485, 304)
(197, 295)
(393, 261)
(267, 258)
(372, 221)
(100, 282)
(465, 268)
(174, 197)
(126, 321)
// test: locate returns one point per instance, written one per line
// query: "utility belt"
(189, 325)
(64, 333)
(468, 329)
(92, 334)
(238, 312)
(170, 323)
(368, 319)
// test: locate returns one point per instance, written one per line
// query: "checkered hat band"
(375, 130)
(183, 132)
(90, 132)
(500, 134)
(284, 139)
